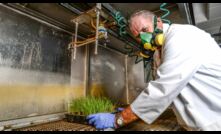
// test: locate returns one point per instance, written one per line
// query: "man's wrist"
(125, 117)
(118, 120)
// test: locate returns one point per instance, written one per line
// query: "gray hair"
(144, 13)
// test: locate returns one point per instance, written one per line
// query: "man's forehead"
(141, 18)
(138, 23)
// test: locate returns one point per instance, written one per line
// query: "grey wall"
(79, 75)
(136, 81)
(116, 75)
(34, 67)
(107, 74)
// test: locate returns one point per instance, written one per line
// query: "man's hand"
(102, 120)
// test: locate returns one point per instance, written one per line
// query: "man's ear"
(159, 19)
(159, 23)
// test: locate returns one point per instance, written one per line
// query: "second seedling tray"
(76, 118)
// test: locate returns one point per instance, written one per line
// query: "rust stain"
(43, 91)
(97, 90)
(20, 100)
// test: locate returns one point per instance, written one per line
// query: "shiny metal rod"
(98, 7)
(75, 39)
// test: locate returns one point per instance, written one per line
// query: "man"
(188, 78)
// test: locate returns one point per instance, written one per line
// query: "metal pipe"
(97, 25)
(126, 80)
(109, 7)
(192, 13)
(38, 14)
(87, 68)
(82, 44)
(68, 6)
(35, 18)
(75, 39)
(185, 11)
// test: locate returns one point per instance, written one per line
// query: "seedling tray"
(76, 118)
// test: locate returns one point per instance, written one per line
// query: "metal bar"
(35, 18)
(126, 81)
(68, 6)
(96, 37)
(33, 120)
(185, 12)
(75, 39)
(109, 7)
(192, 13)
(87, 68)
(85, 43)
(97, 25)
(39, 16)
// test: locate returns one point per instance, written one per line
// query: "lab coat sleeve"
(180, 62)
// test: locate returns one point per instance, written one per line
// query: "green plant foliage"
(90, 105)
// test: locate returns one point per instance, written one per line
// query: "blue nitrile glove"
(119, 109)
(102, 120)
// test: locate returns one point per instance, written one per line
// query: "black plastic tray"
(76, 118)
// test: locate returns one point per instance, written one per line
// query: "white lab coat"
(189, 78)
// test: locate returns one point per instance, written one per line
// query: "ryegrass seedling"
(90, 105)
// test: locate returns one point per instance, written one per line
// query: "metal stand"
(85, 18)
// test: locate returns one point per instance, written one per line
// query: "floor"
(166, 122)
(59, 126)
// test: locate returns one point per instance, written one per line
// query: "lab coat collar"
(165, 27)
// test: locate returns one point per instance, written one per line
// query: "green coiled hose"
(162, 7)
(122, 23)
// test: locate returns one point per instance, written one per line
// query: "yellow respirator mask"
(151, 41)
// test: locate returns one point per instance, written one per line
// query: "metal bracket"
(86, 18)
(98, 6)
(186, 12)
(75, 40)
